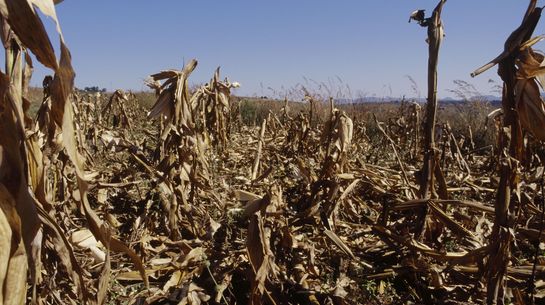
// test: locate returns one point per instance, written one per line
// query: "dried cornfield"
(106, 202)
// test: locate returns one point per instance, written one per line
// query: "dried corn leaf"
(64, 250)
(195, 296)
(530, 104)
(337, 241)
(517, 38)
(260, 254)
(25, 21)
(13, 263)
(173, 101)
(84, 239)
(104, 281)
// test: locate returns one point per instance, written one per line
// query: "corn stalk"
(212, 108)
(511, 141)
(190, 121)
(116, 108)
(429, 167)
(26, 204)
(435, 36)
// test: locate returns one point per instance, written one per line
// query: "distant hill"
(371, 99)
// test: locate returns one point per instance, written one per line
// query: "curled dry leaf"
(84, 239)
(530, 104)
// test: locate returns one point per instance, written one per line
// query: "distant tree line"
(93, 89)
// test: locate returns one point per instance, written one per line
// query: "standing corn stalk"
(426, 181)
(516, 95)
(25, 203)
(21, 171)
(181, 147)
(212, 108)
(190, 121)
(435, 36)
(116, 108)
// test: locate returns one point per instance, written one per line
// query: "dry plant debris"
(104, 201)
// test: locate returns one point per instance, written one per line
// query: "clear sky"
(367, 46)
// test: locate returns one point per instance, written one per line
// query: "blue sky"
(367, 46)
